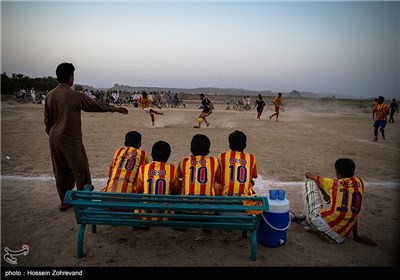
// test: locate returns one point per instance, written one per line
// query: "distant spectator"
(33, 95)
(394, 107)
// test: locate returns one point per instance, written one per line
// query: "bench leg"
(253, 245)
(94, 229)
(79, 244)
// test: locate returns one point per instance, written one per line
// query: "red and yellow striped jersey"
(237, 171)
(381, 112)
(124, 169)
(346, 197)
(374, 105)
(199, 174)
(156, 178)
(145, 102)
(277, 101)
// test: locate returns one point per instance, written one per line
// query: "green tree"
(78, 88)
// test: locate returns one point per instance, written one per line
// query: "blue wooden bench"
(117, 209)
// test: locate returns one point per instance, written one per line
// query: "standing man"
(62, 118)
(33, 95)
(394, 107)
(207, 110)
(381, 112)
(278, 103)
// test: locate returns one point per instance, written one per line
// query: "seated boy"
(158, 176)
(200, 173)
(238, 168)
(125, 164)
(345, 193)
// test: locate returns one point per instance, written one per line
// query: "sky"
(340, 48)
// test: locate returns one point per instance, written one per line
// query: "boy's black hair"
(64, 72)
(133, 139)
(161, 151)
(345, 167)
(200, 145)
(202, 94)
(237, 141)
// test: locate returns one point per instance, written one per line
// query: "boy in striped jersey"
(125, 165)
(345, 194)
(158, 176)
(200, 174)
(381, 113)
(238, 168)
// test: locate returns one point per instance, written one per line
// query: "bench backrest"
(93, 207)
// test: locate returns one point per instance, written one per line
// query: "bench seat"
(175, 211)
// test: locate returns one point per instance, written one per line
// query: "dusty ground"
(309, 136)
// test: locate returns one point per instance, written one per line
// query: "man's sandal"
(64, 206)
(297, 217)
(304, 225)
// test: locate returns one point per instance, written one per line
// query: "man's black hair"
(64, 72)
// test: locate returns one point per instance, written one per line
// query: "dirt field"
(309, 136)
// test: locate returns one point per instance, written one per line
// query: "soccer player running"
(145, 101)
(374, 107)
(278, 103)
(381, 113)
(260, 106)
(207, 110)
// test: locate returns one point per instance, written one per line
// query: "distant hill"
(206, 90)
(220, 91)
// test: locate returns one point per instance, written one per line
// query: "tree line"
(14, 83)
